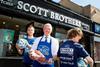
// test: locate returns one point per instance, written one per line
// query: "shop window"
(6, 40)
(97, 49)
(61, 34)
(97, 28)
(10, 30)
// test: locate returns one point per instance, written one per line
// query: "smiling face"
(47, 29)
(30, 31)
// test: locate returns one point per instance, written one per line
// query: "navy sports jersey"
(69, 52)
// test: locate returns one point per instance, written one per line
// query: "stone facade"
(89, 11)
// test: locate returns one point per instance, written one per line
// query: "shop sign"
(45, 13)
(8, 2)
(85, 26)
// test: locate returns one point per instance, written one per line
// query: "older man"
(48, 46)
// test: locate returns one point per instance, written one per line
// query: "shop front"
(97, 44)
(16, 14)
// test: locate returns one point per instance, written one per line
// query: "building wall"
(96, 16)
(71, 5)
(92, 12)
(86, 10)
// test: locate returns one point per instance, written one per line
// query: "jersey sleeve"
(82, 52)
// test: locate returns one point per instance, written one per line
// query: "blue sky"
(95, 3)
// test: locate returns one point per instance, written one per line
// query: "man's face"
(47, 30)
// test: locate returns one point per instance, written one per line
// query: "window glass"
(11, 29)
(97, 28)
(61, 34)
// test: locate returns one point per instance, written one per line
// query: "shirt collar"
(46, 36)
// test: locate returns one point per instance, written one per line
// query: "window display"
(10, 30)
(6, 39)
(8, 35)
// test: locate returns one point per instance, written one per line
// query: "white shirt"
(54, 44)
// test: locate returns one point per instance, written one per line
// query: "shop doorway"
(86, 42)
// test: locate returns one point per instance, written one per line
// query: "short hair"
(48, 24)
(29, 25)
(74, 32)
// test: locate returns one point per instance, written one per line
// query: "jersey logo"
(68, 51)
